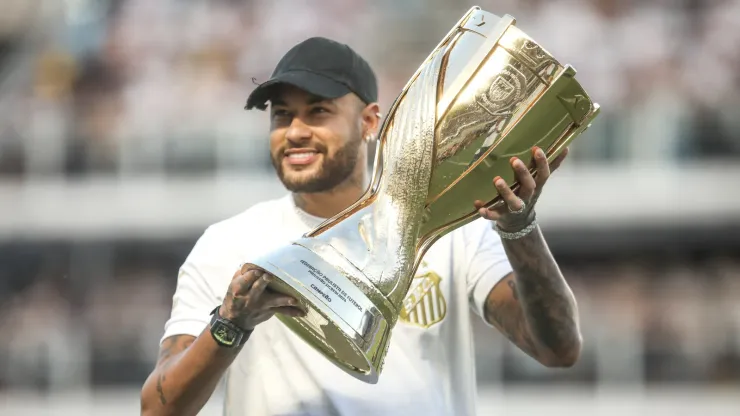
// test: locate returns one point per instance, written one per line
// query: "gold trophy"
(486, 93)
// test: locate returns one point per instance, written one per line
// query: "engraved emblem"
(425, 303)
(541, 62)
(505, 92)
(535, 52)
(499, 100)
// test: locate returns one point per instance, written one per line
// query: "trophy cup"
(486, 93)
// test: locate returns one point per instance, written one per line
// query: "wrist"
(515, 225)
(225, 312)
(517, 230)
(226, 332)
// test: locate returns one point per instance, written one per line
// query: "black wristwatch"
(226, 333)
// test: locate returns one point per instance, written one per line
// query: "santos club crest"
(425, 304)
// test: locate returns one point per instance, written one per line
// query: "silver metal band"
(518, 234)
(520, 210)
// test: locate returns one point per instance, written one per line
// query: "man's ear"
(370, 120)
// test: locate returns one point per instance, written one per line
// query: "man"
(323, 110)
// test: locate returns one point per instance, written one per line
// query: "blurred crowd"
(75, 316)
(129, 87)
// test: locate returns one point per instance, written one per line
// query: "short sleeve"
(201, 284)
(487, 264)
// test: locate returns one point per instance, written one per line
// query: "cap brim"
(310, 82)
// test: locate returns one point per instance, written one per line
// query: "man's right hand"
(189, 368)
(249, 302)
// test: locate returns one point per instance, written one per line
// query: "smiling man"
(323, 111)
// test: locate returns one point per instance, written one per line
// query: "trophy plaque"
(486, 93)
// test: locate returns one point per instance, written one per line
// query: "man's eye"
(280, 113)
(319, 110)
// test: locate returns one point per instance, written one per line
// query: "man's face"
(314, 143)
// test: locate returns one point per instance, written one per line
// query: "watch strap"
(226, 333)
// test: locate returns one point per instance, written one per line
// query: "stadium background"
(122, 136)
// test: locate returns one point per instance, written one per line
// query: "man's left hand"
(516, 211)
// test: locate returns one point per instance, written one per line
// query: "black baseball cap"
(322, 67)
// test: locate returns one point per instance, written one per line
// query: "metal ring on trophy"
(520, 210)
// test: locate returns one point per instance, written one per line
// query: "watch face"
(224, 334)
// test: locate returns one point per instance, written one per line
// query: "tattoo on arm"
(503, 311)
(544, 300)
(170, 347)
(512, 286)
(160, 391)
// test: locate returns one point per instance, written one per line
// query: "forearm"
(546, 300)
(183, 383)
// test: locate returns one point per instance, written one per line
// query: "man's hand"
(249, 302)
(533, 307)
(516, 211)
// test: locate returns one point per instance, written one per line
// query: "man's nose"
(298, 131)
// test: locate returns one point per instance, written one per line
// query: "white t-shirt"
(430, 366)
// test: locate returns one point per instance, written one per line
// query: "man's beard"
(332, 172)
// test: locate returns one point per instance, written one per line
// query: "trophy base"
(342, 322)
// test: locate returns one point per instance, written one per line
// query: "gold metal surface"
(486, 93)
